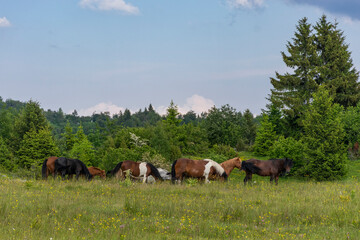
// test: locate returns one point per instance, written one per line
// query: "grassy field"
(294, 209)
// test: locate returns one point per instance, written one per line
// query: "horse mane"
(173, 172)
(250, 167)
(218, 168)
(155, 171)
(115, 170)
(96, 168)
(44, 169)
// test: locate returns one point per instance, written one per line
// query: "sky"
(97, 56)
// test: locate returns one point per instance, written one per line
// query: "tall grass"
(219, 210)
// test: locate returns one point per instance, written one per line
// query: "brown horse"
(48, 167)
(228, 166)
(135, 169)
(200, 169)
(272, 168)
(97, 172)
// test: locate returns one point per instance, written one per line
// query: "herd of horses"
(182, 168)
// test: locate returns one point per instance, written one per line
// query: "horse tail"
(86, 170)
(115, 170)
(249, 167)
(44, 169)
(173, 173)
(155, 171)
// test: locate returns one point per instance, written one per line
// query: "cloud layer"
(4, 22)
(348, 8)
(195, 103)
(247, 4)
(107, 5)
(101, 108)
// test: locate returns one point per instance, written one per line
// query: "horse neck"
(228, 166)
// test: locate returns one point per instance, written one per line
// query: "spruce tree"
(292, 91)
(35, 147)
(336, 69)
(265, 137)
(6, 157)
(325, 153)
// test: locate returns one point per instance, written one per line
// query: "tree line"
(312, 117)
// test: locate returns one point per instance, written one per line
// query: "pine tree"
(172, 115)
(35, 147)
(6, 157)
(336, 69)
(265, 137)
(249, 132)
(68, 137)
(292, 91)
(324, 152)
(31, 118)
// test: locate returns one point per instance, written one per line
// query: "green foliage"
(69, 137)
(265, 137)
(31, 118)
(318, 59)
(35, 147)
(323, 139)
(288, 148)
(85, 152)
(6, 157)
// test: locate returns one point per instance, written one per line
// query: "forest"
(313, 117)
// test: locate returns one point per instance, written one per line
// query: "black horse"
(273, 168)
(71, 166)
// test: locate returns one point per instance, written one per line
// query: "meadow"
(295, 209)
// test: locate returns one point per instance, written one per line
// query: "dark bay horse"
(200, 169)
(48, 167)
(272, 168)
(97, 172)
(136, 170)
(71, 166)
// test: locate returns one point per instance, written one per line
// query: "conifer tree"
(265, 137)
(6, 157)
(323, 137)
(336, 69)
(35, 147)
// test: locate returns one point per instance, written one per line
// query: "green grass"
(220, 210)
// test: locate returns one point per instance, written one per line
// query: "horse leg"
(271, 178)
(207, 178)
(276, 179)
(144, 180)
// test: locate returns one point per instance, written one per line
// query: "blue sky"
(108, 55)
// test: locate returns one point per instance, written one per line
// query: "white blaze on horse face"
(143, 170)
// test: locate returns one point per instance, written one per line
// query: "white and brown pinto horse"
(201, 169)
(136, 170)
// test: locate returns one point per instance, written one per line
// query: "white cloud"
(195, 103)
(249, 4)
(107, 5)
(101, 108)
(4, 22)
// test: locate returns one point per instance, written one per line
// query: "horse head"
(103, 174)
(237, 162)
(288, 165)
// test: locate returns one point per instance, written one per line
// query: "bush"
(288, 148)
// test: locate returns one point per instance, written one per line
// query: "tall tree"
(336, 69)
(265, 137)
(292, 91)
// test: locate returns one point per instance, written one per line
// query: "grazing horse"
(272, 168)
(137, 170)
(70, 167)
(97, 172)
(184, 167)
(48, 167)
(228, 166)
(164, 174)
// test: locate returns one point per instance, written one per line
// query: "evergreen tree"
(6, 157)
(323, 137)
(35, 147)
(292, 91)
(265, 137)
(336, 69)
(249, 132)
(172, 116)
(83, 149)
(68, 137)
(31, 118)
